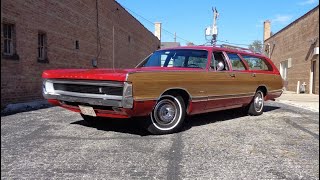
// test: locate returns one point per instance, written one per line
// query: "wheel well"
(263, 89)
(175, 92)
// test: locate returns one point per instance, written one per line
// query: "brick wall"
(64, 22)
(297, 41)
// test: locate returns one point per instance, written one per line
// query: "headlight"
(48, 87)
(127, 98)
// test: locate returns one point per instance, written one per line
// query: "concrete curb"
(23, 107)
(299, 105)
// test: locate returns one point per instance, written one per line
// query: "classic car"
(167, 86)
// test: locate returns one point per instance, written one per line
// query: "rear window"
(256, 63)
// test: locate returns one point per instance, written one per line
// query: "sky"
(240, 21)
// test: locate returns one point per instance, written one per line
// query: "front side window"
(236, 63)
(256, 63)
(42, 46)
(8, 41)
(185, 58)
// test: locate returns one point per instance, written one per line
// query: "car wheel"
(167, 116)
(90, 120)
(257, 104)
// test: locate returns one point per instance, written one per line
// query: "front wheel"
(167, 116)
(257, 104)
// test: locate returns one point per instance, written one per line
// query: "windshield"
(185, 58)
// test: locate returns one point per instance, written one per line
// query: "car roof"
(215, 48)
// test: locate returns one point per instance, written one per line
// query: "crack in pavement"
(297, 126)
(175, 157)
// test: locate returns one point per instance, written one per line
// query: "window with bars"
(8, 41)
(42, 46)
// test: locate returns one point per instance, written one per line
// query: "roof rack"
(237, 48)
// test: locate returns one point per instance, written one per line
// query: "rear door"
(226, 85)
(244, 85)
(261, 73)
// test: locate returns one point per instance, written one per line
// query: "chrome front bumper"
(125, 101)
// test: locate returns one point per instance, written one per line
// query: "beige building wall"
(293, 46)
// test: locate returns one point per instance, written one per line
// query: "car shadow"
(127, 126)
(134, 125)
(225, 115)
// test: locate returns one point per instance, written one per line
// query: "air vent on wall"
(316, 51)
(289, 62)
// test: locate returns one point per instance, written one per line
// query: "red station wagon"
(168, 85)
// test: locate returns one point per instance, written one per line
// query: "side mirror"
(94, 62)
(220, 66)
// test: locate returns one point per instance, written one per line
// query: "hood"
(89, 74)
(104, 74)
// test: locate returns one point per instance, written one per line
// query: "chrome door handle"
(253, 75)
(232, 75)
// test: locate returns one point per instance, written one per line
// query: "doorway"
(284, 69)
(314, 76)
(283, 72)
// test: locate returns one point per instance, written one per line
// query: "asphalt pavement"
(54, 143)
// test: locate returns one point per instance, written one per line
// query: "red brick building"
(45, 34)
(295, 51)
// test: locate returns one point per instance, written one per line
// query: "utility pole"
(214, 27)
(175, 37)
(211, 32)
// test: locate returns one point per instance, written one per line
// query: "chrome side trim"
(231, 96)
(175, 88)
(207, 98)
(127, 75)
(145, 99)
(199, 99)
(220, 97)
(275, 91)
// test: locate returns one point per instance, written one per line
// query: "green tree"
(256, 46)
(190, 44)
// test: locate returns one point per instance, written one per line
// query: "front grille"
(90, 89)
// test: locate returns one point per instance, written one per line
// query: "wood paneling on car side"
(200, 84)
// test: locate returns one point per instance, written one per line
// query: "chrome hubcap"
(165, 111)
(258, 102)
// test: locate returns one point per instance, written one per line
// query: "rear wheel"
(167, 116)
(255, 108)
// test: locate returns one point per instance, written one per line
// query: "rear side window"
(236, 62)
(256, 63)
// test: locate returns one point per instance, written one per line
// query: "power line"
(173, 34)
(238, 44)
